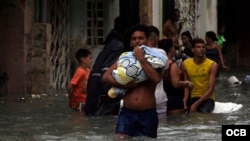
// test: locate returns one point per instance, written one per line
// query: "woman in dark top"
(213, 50)
(172, 81)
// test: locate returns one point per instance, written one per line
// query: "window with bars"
(95, 19)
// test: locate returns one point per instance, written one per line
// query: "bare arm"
(211, 86)
(187, 90)
(221, 57)
(108, 77)
(175, 72)
(152, 73)
(169, 29)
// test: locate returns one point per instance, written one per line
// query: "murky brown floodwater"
(49, 119)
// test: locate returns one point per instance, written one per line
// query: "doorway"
(130, 10)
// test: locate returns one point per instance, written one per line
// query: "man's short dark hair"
(139, 27)
(197, 40)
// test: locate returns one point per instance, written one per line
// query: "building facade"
(39, 37)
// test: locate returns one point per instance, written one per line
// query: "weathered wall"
(28, 23)
(40, 62)
(11, 44)
(145, 14)
(24, 55)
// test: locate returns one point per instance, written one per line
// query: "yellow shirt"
(199, 75)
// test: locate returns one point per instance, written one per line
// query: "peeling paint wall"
(198, 16)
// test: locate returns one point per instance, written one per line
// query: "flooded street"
(49, 118)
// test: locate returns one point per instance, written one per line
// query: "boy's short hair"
(153, 29)
(153, 32)
(82, 52)
(197, 40)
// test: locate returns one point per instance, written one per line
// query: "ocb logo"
(236, 132)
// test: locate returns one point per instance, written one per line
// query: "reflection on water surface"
(48, 118)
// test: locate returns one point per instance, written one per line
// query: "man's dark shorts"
(138, 123)
(206, 106)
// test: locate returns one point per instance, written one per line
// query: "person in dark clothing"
(213, 50)
(173, 82)
(221, 38)
(98, 103)
(186, 38)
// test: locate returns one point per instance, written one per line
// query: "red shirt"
(80, 81)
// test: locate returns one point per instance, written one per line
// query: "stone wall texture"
(41, 36)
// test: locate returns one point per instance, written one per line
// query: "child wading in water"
(77, 88)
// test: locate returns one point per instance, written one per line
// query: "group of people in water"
(185, 84)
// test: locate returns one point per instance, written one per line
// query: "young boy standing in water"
(138, 116)
(77, 87)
